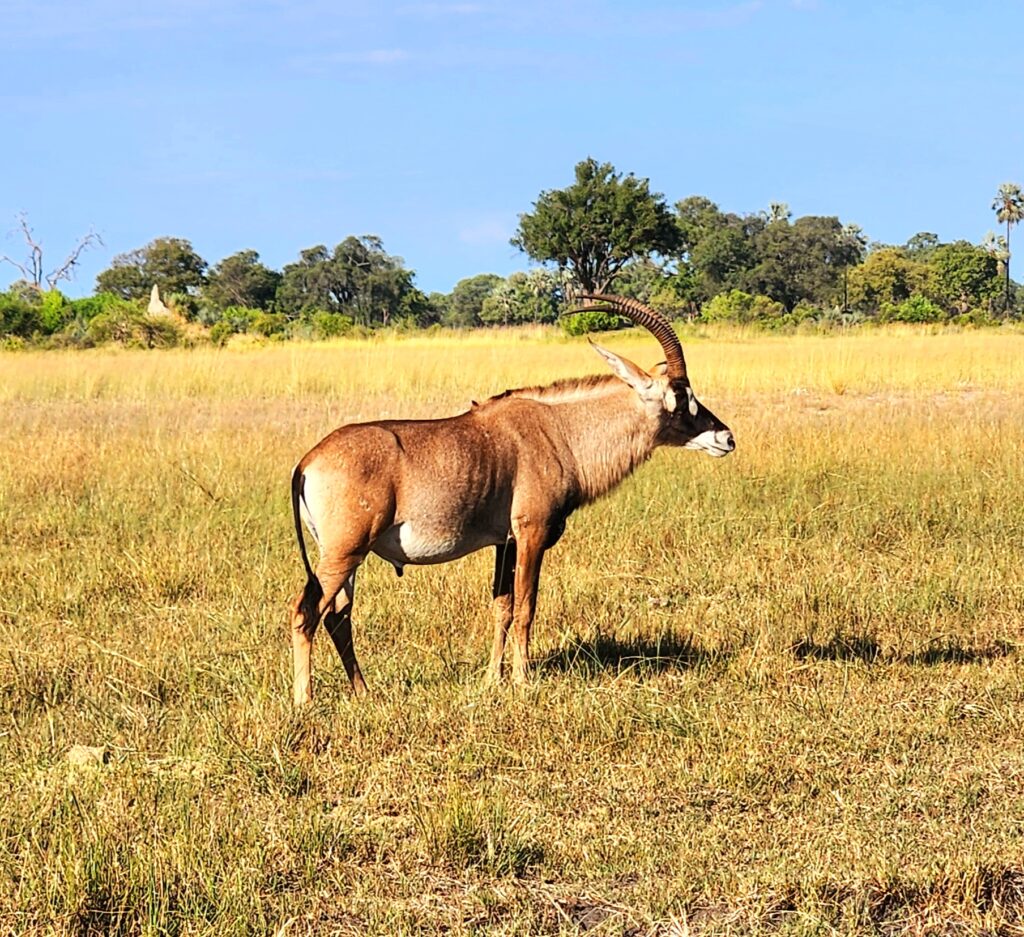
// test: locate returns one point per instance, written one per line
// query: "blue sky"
(281, 124)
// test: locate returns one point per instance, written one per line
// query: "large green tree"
(696, 218)
(312, 284)
(803, 261)
(922, 245)
(19, 314)
(168, 262)
(722, 257)
(597, 225)
(964, 276)
(241, 280)
(888, 275)
(716, 248)
(1009, 208)
(466, 300)
(358, 278)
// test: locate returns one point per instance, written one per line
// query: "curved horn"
(654, 322)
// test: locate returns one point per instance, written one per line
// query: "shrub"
(670, 303)
(733, 306)
(240, 318)
(89, 307)
(74, 335)
(917, 308)
(54, 311)
(581, 323)
(745, 309)
(269, 323)
(767, 312)
(805, 317)
(18, 316)
(331, 324)
(976, 318)
(220, 332)
(127, 326)
(184, 304)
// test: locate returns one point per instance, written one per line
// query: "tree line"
(607, 231)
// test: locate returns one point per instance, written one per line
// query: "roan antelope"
(505, 474)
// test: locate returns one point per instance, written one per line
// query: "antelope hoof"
(359, 690)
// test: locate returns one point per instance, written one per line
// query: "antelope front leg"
(529, 555)
(501, 608)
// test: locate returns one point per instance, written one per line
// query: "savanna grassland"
(779, 692)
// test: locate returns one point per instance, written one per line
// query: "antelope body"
(505, 474)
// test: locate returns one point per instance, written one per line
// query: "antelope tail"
(309, 605)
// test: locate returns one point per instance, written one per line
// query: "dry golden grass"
(780, 691)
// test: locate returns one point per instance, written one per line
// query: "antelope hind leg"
(502, 606)
(338, 622)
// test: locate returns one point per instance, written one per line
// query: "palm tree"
(777, 211)
(1009, 207)
(995, 244)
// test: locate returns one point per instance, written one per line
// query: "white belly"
(421, 544)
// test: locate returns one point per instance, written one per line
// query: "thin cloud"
(381, 58)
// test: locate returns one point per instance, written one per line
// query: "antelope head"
(665, 389)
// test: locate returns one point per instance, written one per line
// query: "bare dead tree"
(33, 267)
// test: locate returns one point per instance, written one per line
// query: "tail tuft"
(309, 606)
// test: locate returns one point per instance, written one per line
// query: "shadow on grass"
(952, 653)
(845, 647)
(840, 647)
(608, 654)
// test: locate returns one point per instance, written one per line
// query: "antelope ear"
(635, 377)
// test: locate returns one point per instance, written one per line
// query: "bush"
(220, 332)
(744, 309)
(89, 307)
(804, 317)
(127, 326)
(733, 306)
(581, 323)
(18, 316)
(833, 318)
(240, 318)
(917, 308)
(74, 335)
(976, 318)
(184, 304)
(269, 323)
(331, 324)
(669, 303)
(54, 311)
